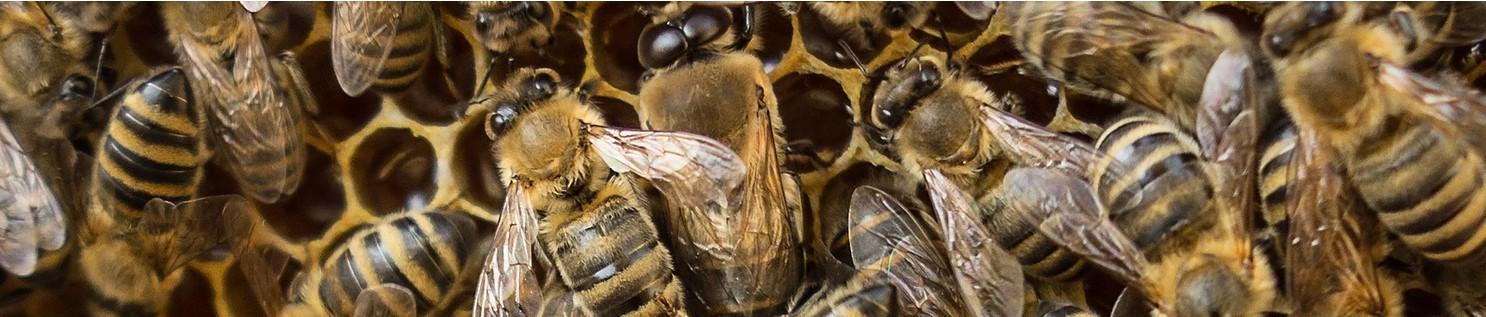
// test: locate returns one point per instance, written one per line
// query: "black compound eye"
(705, 23)
(661, 45)
(498, 121)
(928, 81)
(541, 87)
(536, 10)
(1321, 14)
(890, 115)
(76, 86)
(896, 14)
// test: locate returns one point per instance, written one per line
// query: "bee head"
(665, 43)
(1295, 27)
(537, 126)
(900, 110)
(504, 27)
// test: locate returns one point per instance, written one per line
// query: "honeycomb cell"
(318, 203)
(773, 27)
(474, 165)
(822, 40)
(614, 39)
(339, 115)
(817, 120)
(191, 295)
(392, 171)
(616, 112)
(433, 99)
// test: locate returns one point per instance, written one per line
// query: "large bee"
(579, 179)
(413, 264)
(233, 77)
(930, 117)
(1391, 130)
(383, 46)
(1120, 51)
(701, 81)
(515, 27)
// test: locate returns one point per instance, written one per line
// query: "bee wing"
(1097, 47)
(1330, 255)
(508, 284)
(887, 240)
(386, 300)
(1445, 103)
(361, 39)
(33, 216)
(989, 278)
(253, 6)
(1028, 144)
(1228, 128)
(263, 273)
(979, 10)
(293, 78)
(1071, 216)
(176, 234)
(692, 170)
(257, 128)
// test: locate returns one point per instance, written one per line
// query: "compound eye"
(76, 87)
(890, 115)
(896, 14)
(705, 23)
(928, 80)
(661, 45)
(541, 86)
(500, 120)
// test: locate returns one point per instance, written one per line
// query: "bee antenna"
(853, 55)
(51, 23)
(948, 48)
(911, 54)
(98, 68)
(485, 79)
(115, 93)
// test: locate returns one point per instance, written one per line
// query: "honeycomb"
(370, 156)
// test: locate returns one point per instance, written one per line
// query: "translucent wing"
(1228, 128)
(989, 278)
(262, 273)
(253, 6)
(1444, 103)
(1101, 48)
(386, 300)
(887, 242)
(257, 128)
(1071, 216)
(33, 217)
(361, 39)
(291, 76)
(692, 170)
(508, 284)
(1028, 144)
(979, 10)
(175, 234)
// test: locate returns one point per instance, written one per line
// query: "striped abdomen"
(152, 148)
(411, 48)
(859, 301)
(1425, 186)
(891, 247)
(1040, 256)
(1159, 185)
(610, 256)
(423, 252)
(1275, 154)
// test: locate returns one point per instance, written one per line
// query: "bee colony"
(760, 159)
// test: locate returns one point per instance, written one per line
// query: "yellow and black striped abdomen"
(1041, 257)
(411, 49)
(1425, 186)
(423, 252)
(1275, 154)
(1160, 185)
(612, 259)
(856, 301)
(152, 148)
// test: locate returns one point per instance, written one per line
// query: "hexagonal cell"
(822, 39)
(817, 119)
(461, 60)
(432, 99)
(192, 297)
(392, 171)
(617, 113)
(474, 165)
(242, 301)
(317, 204)
(340, 115)
(615, 37)
(772, 26)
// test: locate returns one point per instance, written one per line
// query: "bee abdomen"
(617, 265)
(1160, 166)
(1426, 188)
(1040, 257)
(410, 49)
(879, 300)
(423, 252)
(1274, 172)
(152, 147)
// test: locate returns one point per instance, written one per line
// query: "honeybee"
(1333, 248)
(383, 46)
(515, 27)
(1161, 198)
(412, 264)
(153, 148)
(852, 300)
(257, 130)
(989, 279)
(700, 82)
(890, 245)
(1122, 52)
(1391, 129)
(132, 269)
(580, 179)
